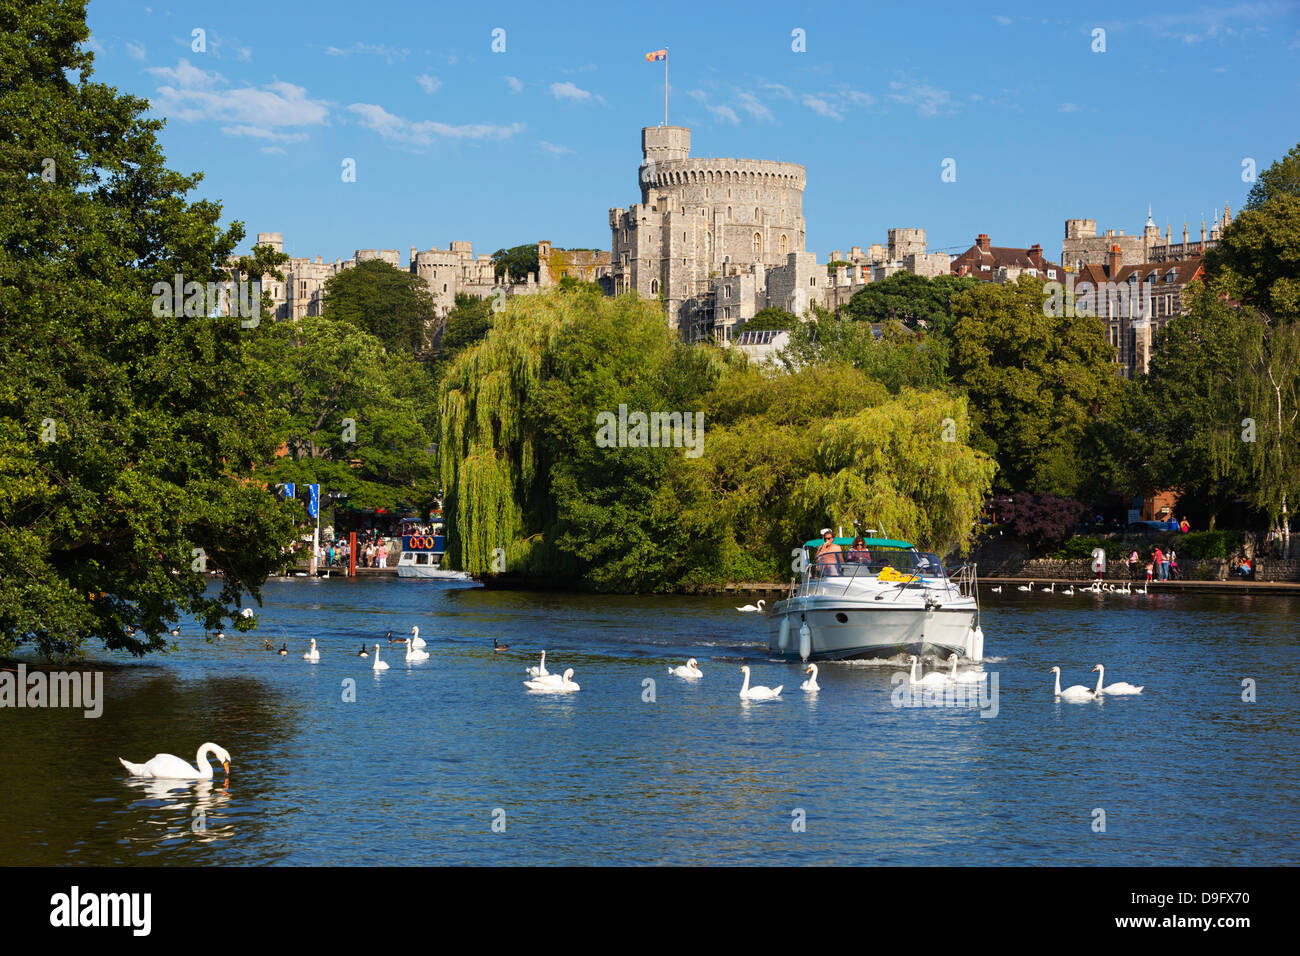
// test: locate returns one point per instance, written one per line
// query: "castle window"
(755, 214)
(708, 243)
(728, 212)
(444, 287)
(654, 286)
(758, 243)
(783, 244)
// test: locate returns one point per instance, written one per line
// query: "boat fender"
(977, 644)
(805, 641)
(783, 637)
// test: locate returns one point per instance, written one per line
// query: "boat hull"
(845, 631)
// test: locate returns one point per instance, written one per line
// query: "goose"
(965, 677)
(414, 653)
(176, 632)
(220, 635)
(758, 692)
(284, 650)
(562, 684)
(167, 767)
(752, 607)
(378, 664)
(539, 670)
(394, 640)
(499, 647)
(932, 679)
(1076, 692)
(1023, 588)
(998, 589)
(687, 671)
(1120, 687)
(810, 685)
(416, 639)
(363, 652)
(130, 632)
(312, 654)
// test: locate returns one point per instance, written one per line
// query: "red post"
(352, 554)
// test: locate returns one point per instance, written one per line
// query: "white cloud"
(1005, 21)
(752, 105)
(430, 84)
(1068, 108)
(569, 91)
(516, 85)
(390, 54)
(135, 50)
(273, 150)
(425, 132)
(783, 91)
(724, 113)
(820, 106)
(193, 95)
(554, 149)
(928, 100)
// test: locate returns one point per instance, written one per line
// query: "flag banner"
(288, 489)
(313, 502)
(656, 55)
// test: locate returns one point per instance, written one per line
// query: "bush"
(1200, 545)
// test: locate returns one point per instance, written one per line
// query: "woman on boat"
(858, 551)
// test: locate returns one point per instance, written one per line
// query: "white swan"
(1076, 692)
(540, 670)
(554, 684)
(811, 684)
(167, 767)
(413, 653)
(1141, 590)
(378, 665)
(312, 654)
(932, 679)
(246, 612)
(752, 607)
(758, 692)
(998, 589)
(1069, 590)
(417, 640)
(1051, 590)
(1120, 687)
(965, 677)
(1023, 588)
(687, 671)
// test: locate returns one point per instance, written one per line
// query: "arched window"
(783, 244)
(758, 243)
(755, 214)
(654, 286)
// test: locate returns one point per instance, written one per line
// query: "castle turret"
(661, 144)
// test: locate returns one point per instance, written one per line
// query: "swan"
(1121, 687)
(758, 692)
(687, 671)
(413, 653)
(246, 612)
(540, 670)
(378, 664)
(1076, 692)
(998, 589)
(1069, 590)
(499, 647)
(555, 684)
(417, 640)
(965, 677)
(167, 767)
(752, 607)
(1141, 590)
(1023, 588)
(931, 679)
(363, 652)
(284, 650)
(810, 684)
(312, 654)
(1051, 590)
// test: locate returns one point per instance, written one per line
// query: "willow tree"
(1270, 390)
(905, 467)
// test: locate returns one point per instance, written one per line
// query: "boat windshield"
(873, 561)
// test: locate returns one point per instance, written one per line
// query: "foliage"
(466, 324)
(771, 318)
(1257, 261)
(897, 358)
(394, 306)
(1280, 179)
(516, 262)
(1200, 545)
(909, 298)
(1040, 520)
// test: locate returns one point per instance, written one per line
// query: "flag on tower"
(656, 55)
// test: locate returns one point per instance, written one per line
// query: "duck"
(810, 685)
(378, 664)
(561, 684)
(965, 677)
(1023, 588)
(1076, 692)
(932, 679)
(416, 639)
(312, 654)
(758, 691)
(751, 608)
(363, 652)
(1118, 688)
(687, 671)
(496, 646)
(267, 645)
(414, 654)
(539, 670)
(220, 635)
(168, 767)
(284, 650)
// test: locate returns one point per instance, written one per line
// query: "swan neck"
(1058, 683)
(1101, 675)
(744, 687)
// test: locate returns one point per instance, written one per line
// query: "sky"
(1037, 116)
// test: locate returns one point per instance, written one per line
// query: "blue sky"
(454, 141)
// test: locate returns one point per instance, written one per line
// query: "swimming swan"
(561, 684)
(810, 684)
(1076, 692)
(417, 640)
(1121, 687)
(312, 654)
(758, 692)
(687, 671)
(413, 653)
(1023, 588)
(540, 670)
(167, 767)
(378, 665)
(965, 677)
(934, 678)
(752, 607)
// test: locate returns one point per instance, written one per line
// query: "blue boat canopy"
(870, 542)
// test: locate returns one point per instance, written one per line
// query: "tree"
(770, 318)
(1257, 260)
(1280, 179)
(394, 306)
(127, 428)
(1270, 392)
(910, 299)
(897, 357)
(516, 262)
(466, 324)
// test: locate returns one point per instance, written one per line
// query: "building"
(991, 263)
(1134, 301)
(1082, 246)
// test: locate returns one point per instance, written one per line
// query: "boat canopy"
(870, 543)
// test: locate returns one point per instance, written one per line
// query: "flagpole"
(665, 87)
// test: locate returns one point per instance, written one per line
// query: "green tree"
(1280, 179)
(770, 318)
(910, 299)
(394, 306)
(896, 356)
(126, 432)
(516, 262)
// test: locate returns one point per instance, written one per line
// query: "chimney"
(1036, 255)
(982, 240)
(1113, 262)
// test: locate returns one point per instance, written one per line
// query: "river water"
(429, 756)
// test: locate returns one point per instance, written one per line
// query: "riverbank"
(1155, 587)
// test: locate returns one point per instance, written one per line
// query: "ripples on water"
(412, 772)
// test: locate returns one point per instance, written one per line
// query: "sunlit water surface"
(417, 769)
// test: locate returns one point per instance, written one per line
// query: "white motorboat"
(421, 557)
(881, 601)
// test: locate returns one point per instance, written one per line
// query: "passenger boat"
(893, 600)
(421, 557)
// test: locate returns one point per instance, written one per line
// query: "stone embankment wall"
(1214, 569)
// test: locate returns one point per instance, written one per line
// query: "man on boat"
(828, 555)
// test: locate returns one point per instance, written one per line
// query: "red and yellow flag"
(656, 55)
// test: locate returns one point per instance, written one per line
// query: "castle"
(1082, 246)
